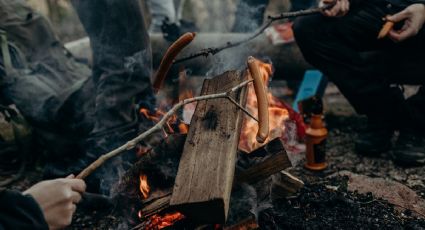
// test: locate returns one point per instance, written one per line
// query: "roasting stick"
(262, 101)
(158, 127)
(206, 52)
(169, 57)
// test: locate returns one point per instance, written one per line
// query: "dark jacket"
(400, 3)
(19, 212)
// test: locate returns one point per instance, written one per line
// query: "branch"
(158, 127)
(212, 51)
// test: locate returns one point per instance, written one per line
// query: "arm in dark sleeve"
(417, 1)
(20, 212)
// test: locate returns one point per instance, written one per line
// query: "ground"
(344, 126)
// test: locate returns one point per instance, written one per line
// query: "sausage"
(263, 103)
(169, 57)
(388, 26)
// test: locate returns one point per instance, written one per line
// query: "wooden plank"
(257, 160)
(205, 175)
(273, 159)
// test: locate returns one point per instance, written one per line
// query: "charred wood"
(205, 176)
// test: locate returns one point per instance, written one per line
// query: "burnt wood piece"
(156, 205)
(273, 159)
(259, 159)
(285, 184)
(205, 176)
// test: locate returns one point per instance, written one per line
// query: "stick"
(158, 127)
(213, 51)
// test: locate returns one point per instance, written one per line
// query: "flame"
(278, 115)
(156, 221)
(144, 186)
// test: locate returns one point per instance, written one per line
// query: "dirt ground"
(344, 126)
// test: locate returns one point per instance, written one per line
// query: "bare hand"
(413, 17)
(58, 199)
(340, 8)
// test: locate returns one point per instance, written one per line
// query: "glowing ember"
(160, 222)
(144, 186)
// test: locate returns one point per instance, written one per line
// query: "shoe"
(410, 149)
(375, 140)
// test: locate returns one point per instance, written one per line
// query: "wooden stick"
(213, 51)
(158, 127)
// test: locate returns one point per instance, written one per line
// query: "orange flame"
(278, 114)
(144, 186)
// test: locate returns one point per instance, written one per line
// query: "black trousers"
(346, 49)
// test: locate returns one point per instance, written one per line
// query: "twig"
(212, 51)
(158, 127)
(241, 108)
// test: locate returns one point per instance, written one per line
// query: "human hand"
(413, 17)
(340, 8)
(57, 199)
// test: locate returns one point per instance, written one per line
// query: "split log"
(274, 159)
(285, 184)
(261, 163)
(156, 205)
(205, 176)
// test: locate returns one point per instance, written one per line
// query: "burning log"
(205, 177)
(253, 167)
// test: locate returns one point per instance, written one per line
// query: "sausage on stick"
(169, 57)
(263, 104)
(388, 26)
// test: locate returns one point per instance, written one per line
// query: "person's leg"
(121, 73)
(335, 45)
(160, 10)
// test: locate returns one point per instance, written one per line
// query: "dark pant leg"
(336, 46)
(121, 58)
(249, 15)
(121, 75)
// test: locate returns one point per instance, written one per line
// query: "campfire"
(159, 196)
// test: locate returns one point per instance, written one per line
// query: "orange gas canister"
(316, 135)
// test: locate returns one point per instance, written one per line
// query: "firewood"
(285, 184)
(261, 163)
(275, 160)
(205, 176)
(156, 205)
